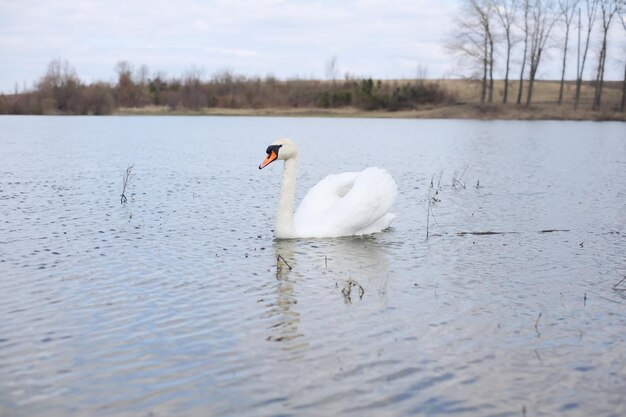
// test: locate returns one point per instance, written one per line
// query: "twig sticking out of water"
(439, 180)
(537, 324)
(432, 199)
(428, 212)
(125, 183)
(347, 290)
(459, 181)
(616, 287)
(280, 258)
(383, 288)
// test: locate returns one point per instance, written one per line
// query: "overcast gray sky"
(378, 38)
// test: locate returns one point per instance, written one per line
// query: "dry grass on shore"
(459, 111)
(544, 105)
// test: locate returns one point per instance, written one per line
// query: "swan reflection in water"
(320, 269)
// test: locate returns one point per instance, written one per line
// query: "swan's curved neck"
(284, 219)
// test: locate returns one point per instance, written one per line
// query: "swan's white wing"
(324, 195)
(365, 208)
(350, 203)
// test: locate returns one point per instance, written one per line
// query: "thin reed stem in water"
(280, 258)
(537, 324)
(615, 287)
(125, 183)
(347, 290)
(428, 213)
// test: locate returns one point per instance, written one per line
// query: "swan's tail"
(379, 225)
(365, 208)
(348, 204)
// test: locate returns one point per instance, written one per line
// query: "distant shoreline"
(350, 98)
(455, 111)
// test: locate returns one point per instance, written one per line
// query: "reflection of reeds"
(347, 290)
(383, 288)
(459, 181)
(125, 183)
(617, 287)
(428, 213)
(432, 198)
(485, 233)
(537, 324)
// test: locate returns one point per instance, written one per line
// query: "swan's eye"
(273, 148)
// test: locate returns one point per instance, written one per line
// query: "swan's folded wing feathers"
(369, 199)
(321, 198)
(346, 204)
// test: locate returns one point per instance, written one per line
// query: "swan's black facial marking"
(273, 148)
(272, 155)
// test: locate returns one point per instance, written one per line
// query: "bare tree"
(61, 87)
(156, 87)
(142, 75)
(421, 73)
(125, 89)
(191, 93)
(489, 33)
(623, 19)
(143, 90)
(472, 39)
(332, 72)
(609, 9)
(526, 8)
(543, 20)
(506, 11)
(591, 8)
(567, 9)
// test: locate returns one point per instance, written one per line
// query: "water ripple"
(174, 303)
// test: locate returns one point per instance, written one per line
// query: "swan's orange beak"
(271, 157)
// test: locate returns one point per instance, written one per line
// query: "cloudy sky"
(285, 38)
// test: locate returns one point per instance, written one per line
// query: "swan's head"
(279, 149)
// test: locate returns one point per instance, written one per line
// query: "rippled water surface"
(173, 305)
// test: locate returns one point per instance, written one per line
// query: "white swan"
(346, 204)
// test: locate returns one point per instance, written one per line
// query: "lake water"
(173, 304)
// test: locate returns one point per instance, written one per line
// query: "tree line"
(508, 39)
(60, 91)
(488, 29)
